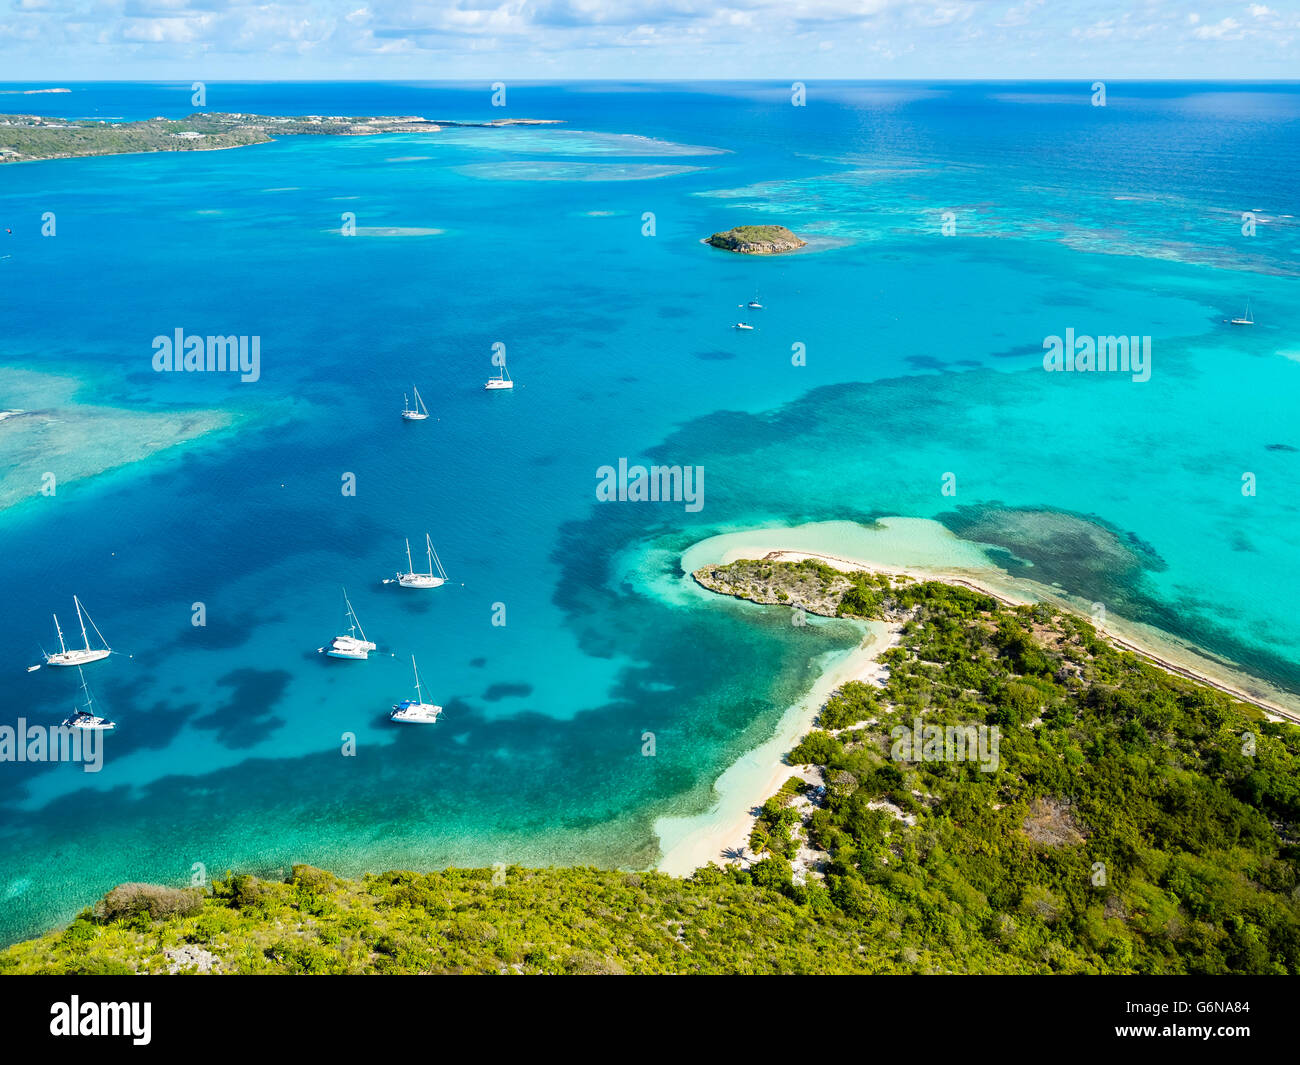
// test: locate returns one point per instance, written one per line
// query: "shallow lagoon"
(923, 358)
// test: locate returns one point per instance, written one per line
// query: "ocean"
(896, 368)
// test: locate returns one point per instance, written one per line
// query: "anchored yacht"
(415, 711)
(411, 579)
(502, 380)
(78, 656)
(354, 645)
(86, 718)
(417, 413)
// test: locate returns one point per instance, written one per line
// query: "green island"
(757, 240)
(27, 137)
(1136, 822)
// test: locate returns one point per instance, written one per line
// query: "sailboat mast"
(63, 647)
(84, 638)
(356, 622)
(429, 550)
(410, 567)
(419, 696)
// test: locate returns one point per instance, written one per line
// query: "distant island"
(757, 240)
(27, 137)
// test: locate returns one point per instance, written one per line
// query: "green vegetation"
(757, 240)
(778, 822)
(26, 137)
(458, 921)
(1136, 822)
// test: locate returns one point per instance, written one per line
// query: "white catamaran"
(417, 413)
(502, 380)
(86, 718)
(352, 645)
(436, 577)
(78, 656)
(415, 711)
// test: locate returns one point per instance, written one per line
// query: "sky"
(52, 41)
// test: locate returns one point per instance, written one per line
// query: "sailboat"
(417, 413)
(742, 325)
(753, 304)
(411, 579)
(78, 656)
(1249, 319)
(502, 380)
(415, 711)
(86, 718)
(350, 646)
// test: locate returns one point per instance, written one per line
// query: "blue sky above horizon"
(66, 40)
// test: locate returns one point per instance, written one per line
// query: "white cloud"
(648, 38)
(1020, 15)
(1226, 29)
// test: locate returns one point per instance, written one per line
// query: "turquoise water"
(923, 358)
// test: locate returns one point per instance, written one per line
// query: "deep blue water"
(924, 356)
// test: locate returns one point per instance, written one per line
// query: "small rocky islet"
(757, 240)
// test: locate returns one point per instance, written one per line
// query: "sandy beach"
(923, 550)
(723, 832)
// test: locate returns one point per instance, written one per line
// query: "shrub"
(772, 872)
(155, 901)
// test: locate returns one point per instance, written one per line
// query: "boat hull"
(419, 580)
(411, 713)
(75, 658)
(349, 647)
(493, 386)
(90, 724)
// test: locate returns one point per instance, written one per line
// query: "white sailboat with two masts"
(435, 578)
(415, 413)
(78, 656)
